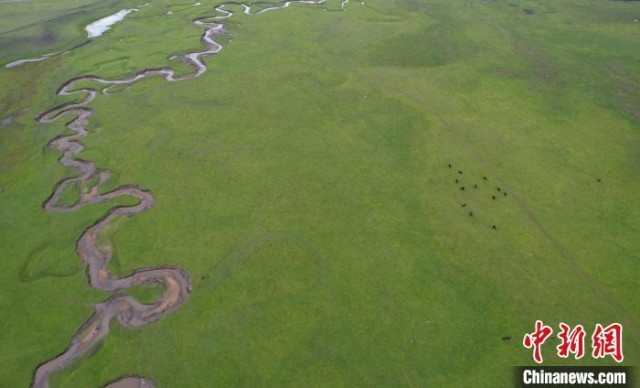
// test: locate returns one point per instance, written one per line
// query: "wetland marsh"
(350, 193)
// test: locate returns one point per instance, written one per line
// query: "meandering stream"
(91, 248)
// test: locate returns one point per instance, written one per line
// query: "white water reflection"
(99, 27)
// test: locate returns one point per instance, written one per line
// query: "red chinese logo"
(608, 341)
(572, 341)
(605, 341)
(536, 339)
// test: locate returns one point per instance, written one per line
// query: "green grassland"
(303, 184)
(30, 28)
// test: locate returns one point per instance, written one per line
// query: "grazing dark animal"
(505, 193)
(475, 186)
(494, 227)
(462, 188)
(493, 197)
(484, 177)
(470, 214)
(449, 165)
(599, 180)
(460, 172)
(498, 189)
(506, 338)
(456, 181)
(464, 204)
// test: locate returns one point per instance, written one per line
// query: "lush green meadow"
(30, 28)
(303, 182)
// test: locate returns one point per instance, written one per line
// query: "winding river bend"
(96, 252)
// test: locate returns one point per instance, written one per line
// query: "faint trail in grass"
(586, 278)
(222, 270)
(570, 259)
(94, 251)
